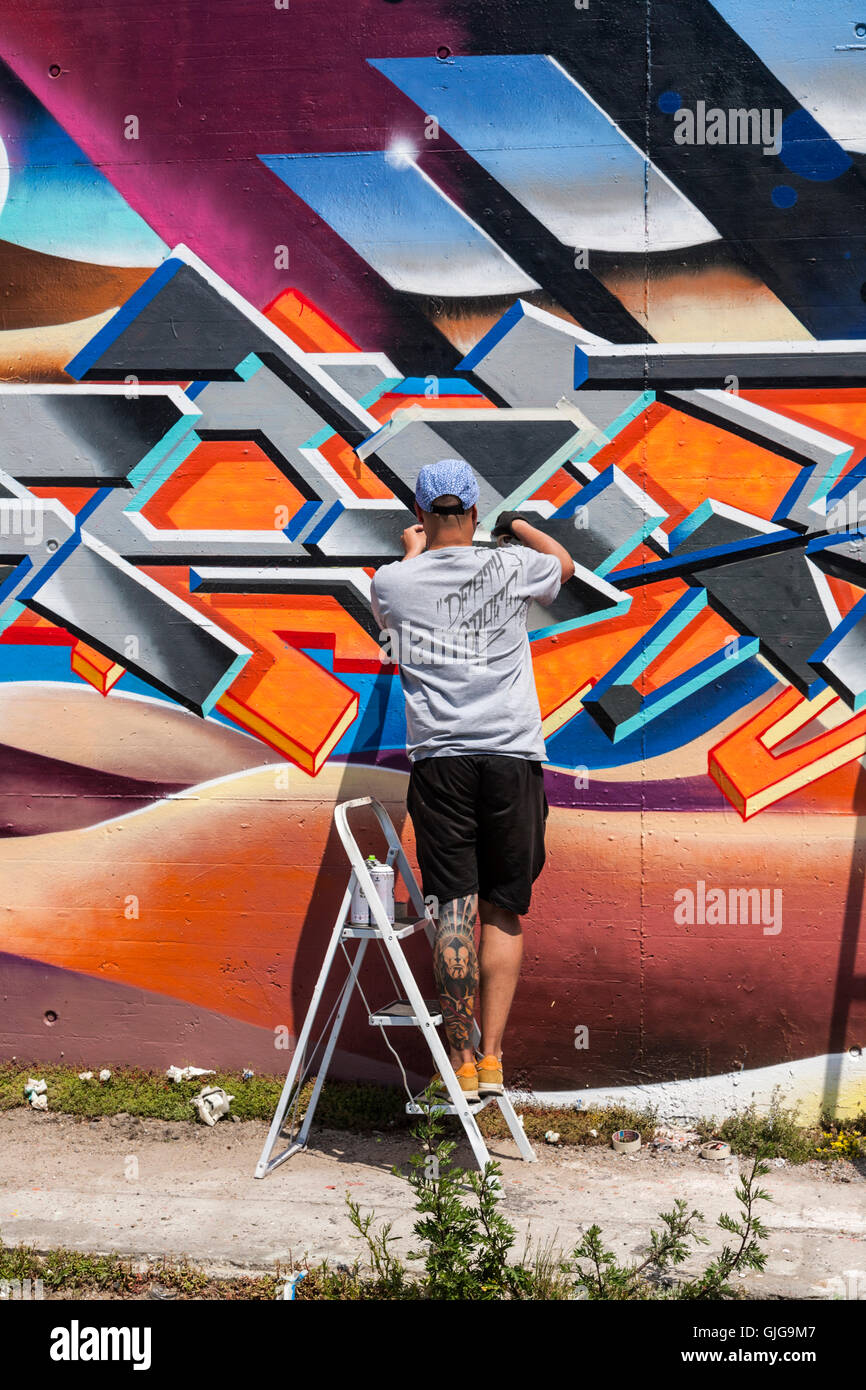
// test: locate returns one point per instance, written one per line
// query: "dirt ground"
(151, 1188)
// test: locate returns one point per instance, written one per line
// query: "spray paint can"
(383, 882)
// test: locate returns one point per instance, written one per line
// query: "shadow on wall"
(849, 985)
(357, 1038)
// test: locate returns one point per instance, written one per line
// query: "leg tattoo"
(455, 966)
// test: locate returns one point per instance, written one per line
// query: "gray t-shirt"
(454, 619)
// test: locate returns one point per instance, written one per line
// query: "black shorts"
(479, 823)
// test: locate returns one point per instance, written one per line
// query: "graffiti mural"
(613, 257)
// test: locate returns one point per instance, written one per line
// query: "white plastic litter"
(85, 1076)
(551, 1137)
(105, 1074)
(670, 1137)
(187, 1073)
(248, 1075)
(39, 1102)
(211, 1103)
(35, 1088)
(288, 1290)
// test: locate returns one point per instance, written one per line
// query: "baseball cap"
(448, 476)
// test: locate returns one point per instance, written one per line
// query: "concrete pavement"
(150, 1188)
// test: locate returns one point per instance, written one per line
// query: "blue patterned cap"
(452, 476)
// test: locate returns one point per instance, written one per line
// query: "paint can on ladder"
(383, 882)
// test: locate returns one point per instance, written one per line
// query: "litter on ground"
(187, 1073)
(669, 1137)
(211, 1103)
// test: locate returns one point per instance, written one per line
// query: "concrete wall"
(592, 247)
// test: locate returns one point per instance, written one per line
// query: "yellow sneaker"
(467, 1076)
(490, 1082)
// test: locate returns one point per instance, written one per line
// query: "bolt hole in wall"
(54, 70)
(49, 1018)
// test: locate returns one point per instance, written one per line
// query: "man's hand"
(502, 532)
(512, 524)
(414, 541)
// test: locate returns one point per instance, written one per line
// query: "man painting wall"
(457, 614)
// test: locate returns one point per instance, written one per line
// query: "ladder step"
(403, 926)
(444, 1107)
(399, 1013)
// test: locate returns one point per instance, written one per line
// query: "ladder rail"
(389, 941)
(407, 979)
(359, 864)
(395, 853)
(299, 1052)
(345, 1000)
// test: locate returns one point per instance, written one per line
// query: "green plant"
(843, 1138)
(467, 1245)
(468, 1242)
(357, 1106)
(776, 1132)
(550, 1274)
(713, 1283)
(385, 1266)
(363, 1106)
(606, 1278)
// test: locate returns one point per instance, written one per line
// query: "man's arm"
(536, 540)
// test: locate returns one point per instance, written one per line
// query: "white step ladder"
(410, 1011)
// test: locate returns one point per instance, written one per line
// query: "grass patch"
(587, 1128)
(777, 1133)
(356, 1106)
(146, 1094)
(361, 1107)
(71, 1274)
